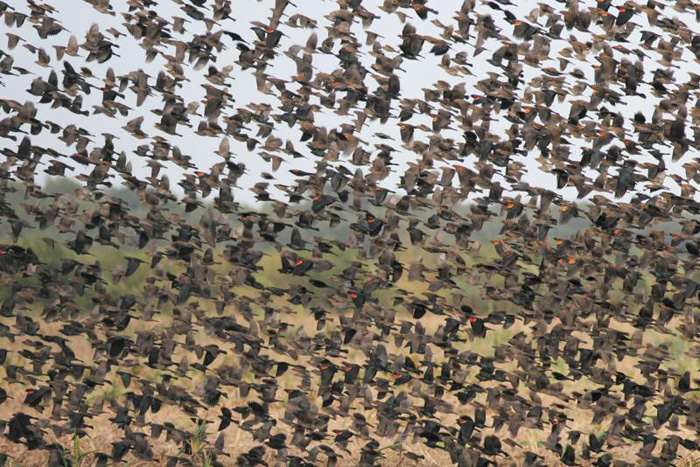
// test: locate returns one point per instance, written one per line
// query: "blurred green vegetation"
(51, 247)
(110, 258)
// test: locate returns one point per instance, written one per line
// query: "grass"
(78, 456)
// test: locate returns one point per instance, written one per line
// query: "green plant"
(206, 459)
(197, 443)
(75, 456)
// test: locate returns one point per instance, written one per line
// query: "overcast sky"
(77, 17)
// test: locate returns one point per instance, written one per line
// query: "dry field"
(236, 441)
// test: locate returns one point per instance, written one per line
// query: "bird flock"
(357, 313)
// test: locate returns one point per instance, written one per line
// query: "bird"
(349, 233)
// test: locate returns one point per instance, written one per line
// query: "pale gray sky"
(77, 17)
